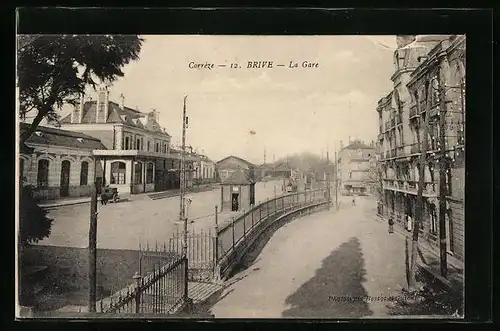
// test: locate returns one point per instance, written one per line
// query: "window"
(149, 145)
(149, 173)
(350, 174)
(138, 144)
(138, 173)
(126, 143)
(84, 173)
(118, 172)
(43, 173)
(157, 148)
(433, 216)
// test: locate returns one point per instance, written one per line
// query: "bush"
(34, 225)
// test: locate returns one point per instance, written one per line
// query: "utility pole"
(422, 142)
(336, 181)
(182, 216)
(328, 185)
(93, 251)
(442, 179)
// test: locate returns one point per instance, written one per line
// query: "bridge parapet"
(234, 239)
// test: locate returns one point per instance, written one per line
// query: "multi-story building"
(137, 156)
(207, 170)
(61, 163)
(355, 162)
(429, 81)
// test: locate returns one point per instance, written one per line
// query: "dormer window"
(80, 140)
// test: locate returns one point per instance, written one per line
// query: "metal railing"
(162, 291)
(413, 111)
(229, 236)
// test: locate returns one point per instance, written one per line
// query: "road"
(320, 266)
(123, 225)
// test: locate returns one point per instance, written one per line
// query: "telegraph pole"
(328, 185)
(422, 141)
(93, 251)
(182, 216)
(336, 181)
(442, 180)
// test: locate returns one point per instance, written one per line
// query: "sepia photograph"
(240, 176)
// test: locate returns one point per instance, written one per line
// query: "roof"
(56, 137)
(358, 145)
(239, 159)
(239, 178)
(129, 116)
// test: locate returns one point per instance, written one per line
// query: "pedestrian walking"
(353, 201)
(391, 225)
(409, 223)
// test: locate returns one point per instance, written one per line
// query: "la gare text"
(254, 65)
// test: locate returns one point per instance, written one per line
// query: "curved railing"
(233, 235)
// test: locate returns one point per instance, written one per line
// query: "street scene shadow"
(334, 291)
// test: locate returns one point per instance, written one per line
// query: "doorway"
(234, 201)
(65, 167)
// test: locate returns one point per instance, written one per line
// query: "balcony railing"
(410, 186)
(399, 119)
(413, 112)
(434, 110)
(415, 148)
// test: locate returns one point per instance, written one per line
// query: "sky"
(290, 110)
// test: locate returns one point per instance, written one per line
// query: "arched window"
(84, 173)
(138, 173)
(149, 173)
(42, 178)
(118, 172)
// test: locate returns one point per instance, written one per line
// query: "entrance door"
(234, 202)
(65, 167)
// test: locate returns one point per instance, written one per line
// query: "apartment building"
(355, 162)
(429, 83)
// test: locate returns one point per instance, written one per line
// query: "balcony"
(434, 110)
(399, 119)
(413, 112)
(410, 186)
(400, 151)
(415, 148)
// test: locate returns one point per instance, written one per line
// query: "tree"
(34, 224)
(55, 69)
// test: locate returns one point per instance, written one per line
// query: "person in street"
(409, 223)
(391, 225)
(353, 201)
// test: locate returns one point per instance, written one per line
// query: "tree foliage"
(55, 69)
(34, 224)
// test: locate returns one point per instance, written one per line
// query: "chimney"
(122, 101)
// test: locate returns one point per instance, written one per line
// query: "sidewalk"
(130, 197)
(327, 265)
(429, 260)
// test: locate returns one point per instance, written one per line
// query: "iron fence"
(231, 234)
(162, 291)
(200, 253)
